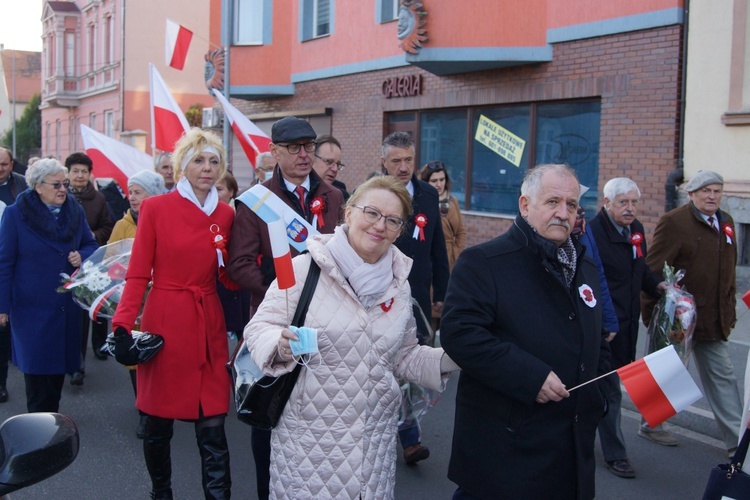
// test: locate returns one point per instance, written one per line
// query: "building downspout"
(683, 86)
(122, 70)
(226, 36)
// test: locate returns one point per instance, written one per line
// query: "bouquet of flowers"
(97, 285)
(674, 317)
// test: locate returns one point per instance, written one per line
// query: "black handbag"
(260, 399)
(727, 480)
(142, 346)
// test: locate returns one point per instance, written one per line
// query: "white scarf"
(369, 281)
(186, 191)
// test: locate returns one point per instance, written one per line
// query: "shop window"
(316, 18)
(488, 159)
(569, 133)
(496, 180)
(443, 138)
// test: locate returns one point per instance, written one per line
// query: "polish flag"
(178, 42)
(659, 385)
(282, 256)
(113, 158)
(168, 122)
(252, 139)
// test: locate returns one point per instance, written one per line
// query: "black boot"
(212, 443)
(156, 451)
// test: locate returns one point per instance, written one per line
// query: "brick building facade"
(633, 76)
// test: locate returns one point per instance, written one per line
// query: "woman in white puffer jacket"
(337, 435)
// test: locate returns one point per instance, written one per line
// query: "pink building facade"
(95, 68)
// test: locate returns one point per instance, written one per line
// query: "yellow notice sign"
(500, 140)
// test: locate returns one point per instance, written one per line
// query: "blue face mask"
(307, 343)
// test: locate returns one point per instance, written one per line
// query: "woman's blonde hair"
(196, 140)
(387, 183)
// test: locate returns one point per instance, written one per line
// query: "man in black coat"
(522, 319)
(423, 241)
(622, 248)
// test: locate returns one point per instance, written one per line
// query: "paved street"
(110, 463)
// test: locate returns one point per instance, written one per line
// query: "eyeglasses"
(330, 162)
(435, 165)
(58, 185)
(372, 216)
(294, 149)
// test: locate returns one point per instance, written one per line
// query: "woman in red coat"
(180, 236)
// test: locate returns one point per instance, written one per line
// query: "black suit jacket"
(430, 266)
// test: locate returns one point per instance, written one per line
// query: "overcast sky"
(21, 25)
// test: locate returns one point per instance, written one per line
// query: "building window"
(316, 18)
(738, 106)
(386, 10)
(72, 134)
(109, 123)
(250, 16)
(51, 55)
(70, 54)
(92, 47)
(109, 40)
(92, 121)
(58, 127)
(486, 175)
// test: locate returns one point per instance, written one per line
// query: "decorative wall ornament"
(411, 26)
(214, 69)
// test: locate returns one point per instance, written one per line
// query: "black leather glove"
(124, 352)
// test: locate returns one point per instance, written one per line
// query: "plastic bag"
(97, 285)
(674, 317)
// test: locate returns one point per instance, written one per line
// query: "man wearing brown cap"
(700, 238)
(250, 258)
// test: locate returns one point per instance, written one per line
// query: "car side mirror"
(35, 446)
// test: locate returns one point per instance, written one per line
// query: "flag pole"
(592, 380)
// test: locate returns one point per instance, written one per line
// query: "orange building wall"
(357, 37)
(564, 13)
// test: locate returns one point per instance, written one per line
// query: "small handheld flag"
(282, 256)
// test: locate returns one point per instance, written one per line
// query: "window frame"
(380, 6)
(109, 123)
(309, 22)
(69, 41)
(472, 113)
(266, 24)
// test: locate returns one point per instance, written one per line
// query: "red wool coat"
(175, 239)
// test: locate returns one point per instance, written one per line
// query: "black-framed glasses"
(330, 162)
(373, 215)
(294, 149)
(433, 165)
(58, 185)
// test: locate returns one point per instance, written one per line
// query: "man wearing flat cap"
(250, 258)
(700, 238)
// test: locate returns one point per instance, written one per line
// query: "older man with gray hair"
(523, 320)
(700, 238)
(622, 249)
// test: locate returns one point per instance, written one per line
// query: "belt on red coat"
(199, 293)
